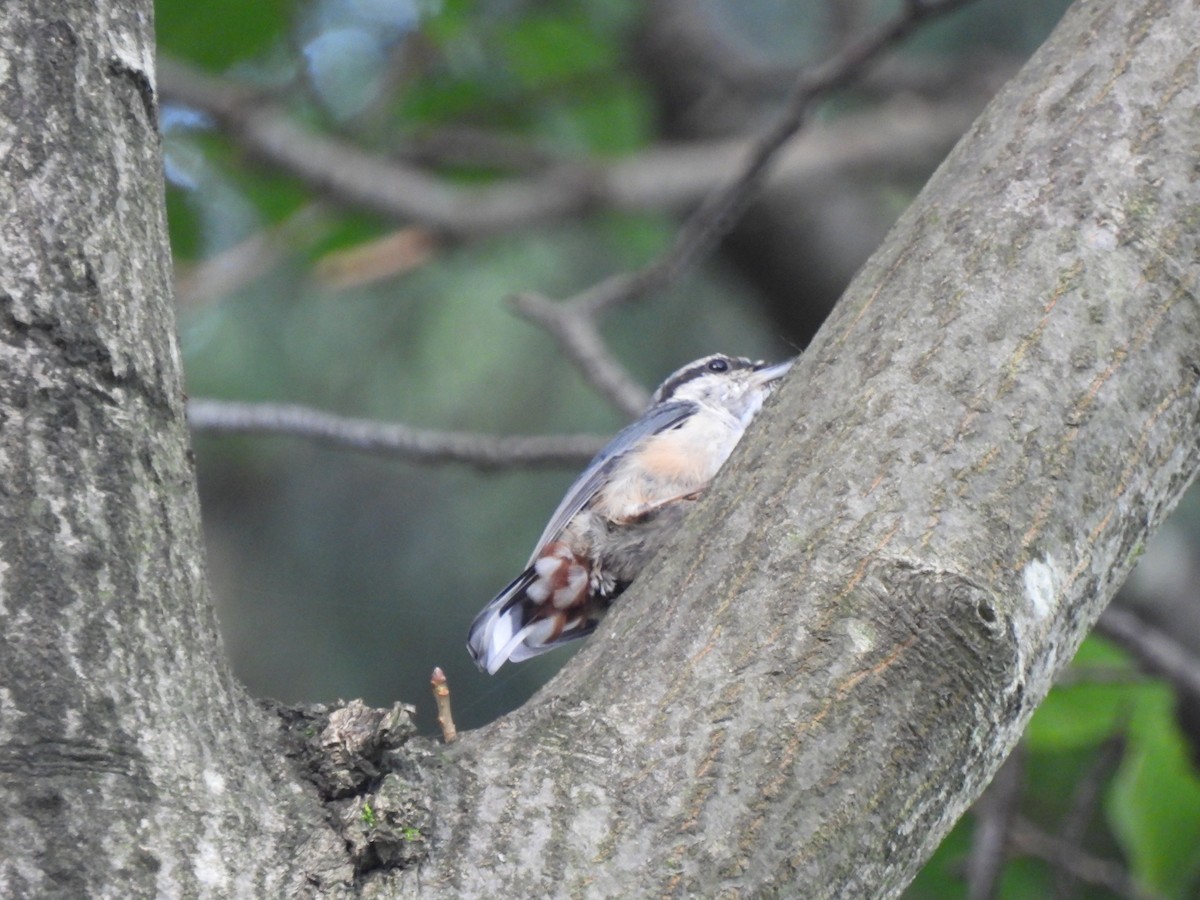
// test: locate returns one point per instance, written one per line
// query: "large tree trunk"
(131, 764)
(804, 695)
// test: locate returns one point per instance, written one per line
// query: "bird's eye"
(718, 365)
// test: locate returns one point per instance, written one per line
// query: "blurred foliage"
(342, 575)
(1149, 803)
(220, 33)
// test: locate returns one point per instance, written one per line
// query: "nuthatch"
(627, 503)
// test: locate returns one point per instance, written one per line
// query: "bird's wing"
(502, 627)
(589, 482)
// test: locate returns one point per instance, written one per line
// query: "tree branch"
(721, 207)
(899, 138)
(1156, 650)
(131, 762)
(1029, 840)
(573, 327)
(483, 451)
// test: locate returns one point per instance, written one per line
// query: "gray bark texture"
(805, 693)
(131, 764)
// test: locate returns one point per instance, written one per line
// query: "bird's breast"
(669, 465)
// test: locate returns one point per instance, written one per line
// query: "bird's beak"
(767, 374)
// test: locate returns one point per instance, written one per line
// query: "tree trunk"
(131, 764)
(808, 690)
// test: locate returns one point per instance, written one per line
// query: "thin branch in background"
(1084, 803)
(720, 210)
(994, 812)
(479, 148)
(481, 451)
(1027, 839)
(902, 137)
(1155, 650)
(982, 73)
(349, 174)
(573, 323)
(578, 336)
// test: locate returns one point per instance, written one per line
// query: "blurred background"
(340, 574)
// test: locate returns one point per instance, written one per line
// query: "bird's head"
(731, 383)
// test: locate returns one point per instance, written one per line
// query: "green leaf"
(1154, 804)
(941, 876)
(1082, 715)
(184, 225)
(435, 101)
(613, 121)
(545, 50)
(1085, 714)
(1025, 878)
(218, 33)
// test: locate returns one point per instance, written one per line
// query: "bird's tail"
(515, 627)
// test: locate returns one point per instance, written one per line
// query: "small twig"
(571, 325)
(1029, 840)
(482, 451)
(719, 211)
(441, 696)
(994, 813)
(572, 322)
(1157, 651)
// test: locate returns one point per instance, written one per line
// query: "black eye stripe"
(670, 387)
(674, 383)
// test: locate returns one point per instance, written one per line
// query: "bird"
(623, 508)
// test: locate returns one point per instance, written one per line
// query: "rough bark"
(131, 764)
(801, 699)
